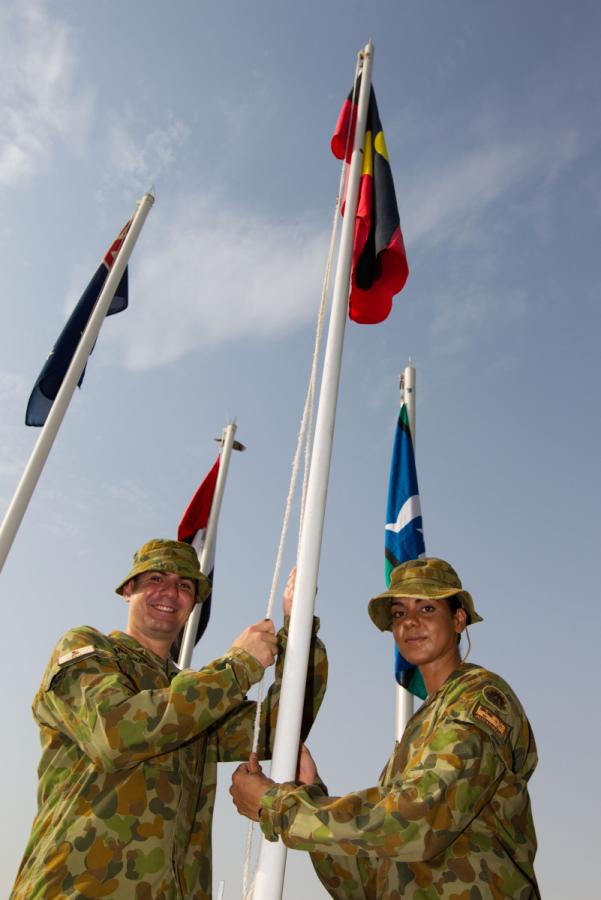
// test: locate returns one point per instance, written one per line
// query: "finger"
(265, 625)
(253, 763)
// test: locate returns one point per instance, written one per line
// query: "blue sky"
(492, 117)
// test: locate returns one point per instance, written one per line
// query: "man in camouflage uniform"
(130, 744)
(450, 816)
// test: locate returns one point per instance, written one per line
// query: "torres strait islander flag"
(404, 532)
(379, 266)
(192, 530)
(55, 368)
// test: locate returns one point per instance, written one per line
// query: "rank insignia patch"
(493, 721)
(75, 654)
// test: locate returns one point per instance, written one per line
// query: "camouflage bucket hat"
(174, 557)
(427, 578)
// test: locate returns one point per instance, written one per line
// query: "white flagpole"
(207, 551)
(404, 698)
(33, 469)
(269, 878)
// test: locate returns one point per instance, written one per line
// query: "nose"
(410, 618)
(169, 587)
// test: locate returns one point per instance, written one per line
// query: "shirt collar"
(131, 643)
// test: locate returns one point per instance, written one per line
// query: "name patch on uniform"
(487, 715)
(76, 654)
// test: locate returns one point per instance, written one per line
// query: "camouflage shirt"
(450, 816)
(127, 778)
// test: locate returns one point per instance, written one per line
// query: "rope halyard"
(305, 437)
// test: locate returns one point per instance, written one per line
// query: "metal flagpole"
(269, 878)
(404, 698)
(33, 469)
(206, 552)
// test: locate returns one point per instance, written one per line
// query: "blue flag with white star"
(404, 532)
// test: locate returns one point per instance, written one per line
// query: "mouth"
(163, 608)
(415, 639)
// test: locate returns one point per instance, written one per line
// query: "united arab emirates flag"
(379, 265)
(404, 532)
(192, 530)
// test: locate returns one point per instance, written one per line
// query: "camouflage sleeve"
(87, 696)
(235, 733)
(441, 790)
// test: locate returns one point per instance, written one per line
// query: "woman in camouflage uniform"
(450, 816)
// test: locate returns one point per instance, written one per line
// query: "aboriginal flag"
(55, 368)
(192, 530)
(379, 267)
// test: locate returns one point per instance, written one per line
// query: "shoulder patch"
(491, 719)
(76, 654)
(495, 697)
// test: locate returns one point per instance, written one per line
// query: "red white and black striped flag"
(192, 530)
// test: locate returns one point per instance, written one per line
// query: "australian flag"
(55, 368)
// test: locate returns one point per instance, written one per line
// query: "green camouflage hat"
(427, 578)
(174, 557)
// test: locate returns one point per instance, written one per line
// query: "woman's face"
(426, 631)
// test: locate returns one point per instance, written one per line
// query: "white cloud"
(140, 162)
(130, 492)
(15, 438)
(42, 102)
(211, 275)
(447, 201)
(466, 309)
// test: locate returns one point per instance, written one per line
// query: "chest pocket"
(146, 677)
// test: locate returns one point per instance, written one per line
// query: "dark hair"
(454, 603)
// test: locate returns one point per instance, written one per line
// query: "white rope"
(305, 436)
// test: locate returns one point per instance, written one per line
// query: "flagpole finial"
(235, 446)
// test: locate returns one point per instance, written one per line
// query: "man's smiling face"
(159, 604)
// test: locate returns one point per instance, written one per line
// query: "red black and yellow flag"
(379, 269)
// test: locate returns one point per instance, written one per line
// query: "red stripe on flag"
(341, 132)
(363, 215)
(373, 305)
(197, 514)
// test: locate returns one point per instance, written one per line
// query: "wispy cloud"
(465, 309)
(14, 436)
(447, 200)
(139, 160)
(42, 101)
(211, 274)
(493, 177)
(130, 492)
